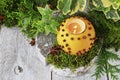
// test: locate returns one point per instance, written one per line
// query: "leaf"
(48, 23)
(82, 4)
(108, 7)
(52, 27)
(64, 5)
(77, 5)
(113, 70)
(103, 65)
(106, 3)
(112, 14)
(47, 30)
(3, 4)
(72, 6)
(112, 56)
(45, 12)
(41, 2)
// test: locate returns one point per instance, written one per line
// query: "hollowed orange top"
(74, 28)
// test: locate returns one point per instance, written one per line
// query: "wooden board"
(18, 59)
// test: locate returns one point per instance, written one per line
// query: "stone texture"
(43, 44)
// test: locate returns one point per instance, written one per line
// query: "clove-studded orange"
(76, 35)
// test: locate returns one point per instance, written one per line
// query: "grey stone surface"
(43, 44)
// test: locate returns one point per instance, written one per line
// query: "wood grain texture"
(16, 51)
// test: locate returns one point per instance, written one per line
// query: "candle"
(76, 26)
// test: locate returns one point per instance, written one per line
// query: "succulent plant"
(76, 35)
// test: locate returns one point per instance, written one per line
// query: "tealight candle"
(76, 26)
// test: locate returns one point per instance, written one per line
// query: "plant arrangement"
(111, 8)
(48, 16)
(60, 59)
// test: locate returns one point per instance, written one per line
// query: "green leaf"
(47, 29)
(45, 12)
(52, 27)
(112, 14)
(77, 5)
(64, 5)
(72, 6)
(103, 65)
(49, 24)
(112, 56)
(40, 2)
(108, 7)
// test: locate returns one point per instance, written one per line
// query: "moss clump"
(63, 60)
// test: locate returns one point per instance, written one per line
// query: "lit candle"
(76, 26)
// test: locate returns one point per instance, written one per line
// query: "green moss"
(63, 60)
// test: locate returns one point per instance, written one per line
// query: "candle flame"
(75, 29)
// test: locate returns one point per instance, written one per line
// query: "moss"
(63, 60)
